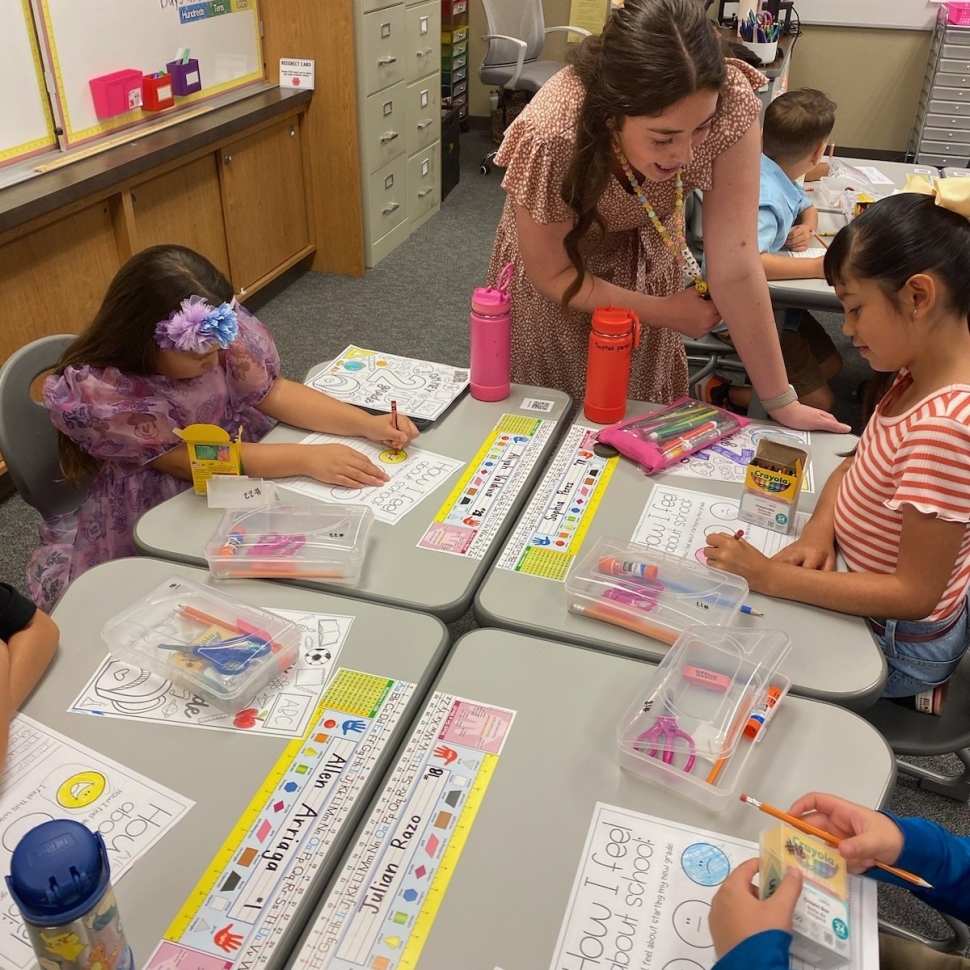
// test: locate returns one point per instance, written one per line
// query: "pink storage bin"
(116, 93)
(958, 14)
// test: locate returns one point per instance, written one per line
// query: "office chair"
(516, 34)
(28, 439)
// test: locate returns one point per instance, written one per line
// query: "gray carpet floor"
(416, 302)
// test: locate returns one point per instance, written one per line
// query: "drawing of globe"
(705, 864)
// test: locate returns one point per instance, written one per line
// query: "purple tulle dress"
(127, 421)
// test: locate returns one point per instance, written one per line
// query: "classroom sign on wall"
(191, 10)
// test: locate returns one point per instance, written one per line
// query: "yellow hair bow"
(951, 193)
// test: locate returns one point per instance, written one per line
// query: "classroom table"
(509, 890)
(220, 770)
(956, 173)
(833, 656)
(396, 572)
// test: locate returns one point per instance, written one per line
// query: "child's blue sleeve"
(768, 950)
(769, 229)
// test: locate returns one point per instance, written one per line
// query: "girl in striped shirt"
(898, 508)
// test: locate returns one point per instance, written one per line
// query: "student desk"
(508, 892)
(396, 572)
(220, 770)
(833, 656)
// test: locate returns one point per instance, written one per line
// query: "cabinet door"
(264, 200)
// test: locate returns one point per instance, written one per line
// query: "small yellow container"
(211, 452)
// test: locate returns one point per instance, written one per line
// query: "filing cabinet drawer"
(422, 29)
(954, 35)
(368, 5)
(384, 47)
(385, 126)
(942, 161)
(954, 139)
(938, 106)
(955, 153)
(947, 121)
(424, 186)
(387, 197)
(955, 65)
(942, 93)
(423, 113)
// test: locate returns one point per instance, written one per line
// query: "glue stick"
(758, 718)
(618, 567)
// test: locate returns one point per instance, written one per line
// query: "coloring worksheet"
(679, 520)
(50, 776)
(283, 708)
(372, 380)
(815, 252)
(415, 474)
(727, 460)
(643, 891)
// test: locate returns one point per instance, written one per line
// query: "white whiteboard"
(903, 14)
(87, 38)
(25, 119)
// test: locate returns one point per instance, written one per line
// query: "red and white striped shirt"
(920, 458)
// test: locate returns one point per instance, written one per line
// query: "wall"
(876, 104)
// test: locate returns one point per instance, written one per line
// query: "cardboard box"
(773, 484)
(211, 452)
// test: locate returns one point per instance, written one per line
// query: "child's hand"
(340, 465)
(737, 913)
(732, 555)
(810, 551)
(799, 238)
(380, 429)
(867, 836)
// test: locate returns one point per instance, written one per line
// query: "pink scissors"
(665, 734)
(274, 544)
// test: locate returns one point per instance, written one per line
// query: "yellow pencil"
(825, 245)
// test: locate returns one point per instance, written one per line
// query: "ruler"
(550, 533)
(383, 904)
(477, 506)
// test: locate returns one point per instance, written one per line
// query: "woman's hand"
(736, 556)
(866, 837)
(686, 312)
(803, 418)
(737, 913)
(340, 465)
(380, 428)
(811, 550)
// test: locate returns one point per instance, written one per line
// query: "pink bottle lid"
(493, 301)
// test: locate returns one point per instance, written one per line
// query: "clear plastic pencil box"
(709, 702)
(650, 592)
(286, 540)
(221, 649)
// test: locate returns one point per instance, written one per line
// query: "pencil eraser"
(701, 677)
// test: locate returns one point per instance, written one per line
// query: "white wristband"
(789, 396)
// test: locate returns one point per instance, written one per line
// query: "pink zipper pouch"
(660, 439)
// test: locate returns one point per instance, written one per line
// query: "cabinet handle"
(426, 52)
(389, 59)
(390, 208)
(292, 131)
(424, 124)
(227, 159)
(424, 192)
(388, 136)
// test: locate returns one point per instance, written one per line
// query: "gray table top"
(396, 572)
(225, 769)
(833, 656)
(508, 893)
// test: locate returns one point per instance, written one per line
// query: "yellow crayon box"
(820, 923)
(211, 452)
(773, 483)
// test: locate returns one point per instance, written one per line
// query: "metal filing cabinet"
(941, 128)
(398, 46)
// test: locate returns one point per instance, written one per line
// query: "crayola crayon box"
(820, 924)
(773, 483)
(211, 452)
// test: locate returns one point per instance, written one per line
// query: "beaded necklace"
(679, 249)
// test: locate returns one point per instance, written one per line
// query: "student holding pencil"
(750, 933)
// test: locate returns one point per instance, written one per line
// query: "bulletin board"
(26, 125)
(83, 39)
(901, 14)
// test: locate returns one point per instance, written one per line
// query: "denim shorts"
(921, 655)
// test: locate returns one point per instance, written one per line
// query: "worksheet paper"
(50, 776)
(679, 520)
(642, 897)
(813, 252)
(727, 460)
(372, 380)
(414, 475)
(282, 709)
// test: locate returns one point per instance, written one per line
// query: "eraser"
(701, 677)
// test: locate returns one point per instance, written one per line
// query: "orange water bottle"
(614, 334)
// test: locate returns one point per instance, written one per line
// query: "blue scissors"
(665, 734)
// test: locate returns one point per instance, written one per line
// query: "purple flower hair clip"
(196, 326)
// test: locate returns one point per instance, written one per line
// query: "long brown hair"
(146, 290)
(651, 54)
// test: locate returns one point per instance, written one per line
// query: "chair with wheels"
(516, 34)
(28, 439)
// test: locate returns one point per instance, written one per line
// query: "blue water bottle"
(61, 882)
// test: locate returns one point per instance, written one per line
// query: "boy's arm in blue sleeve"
(769, 226)
(768, 950)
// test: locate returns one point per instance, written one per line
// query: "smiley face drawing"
(691, 923)
(392, 456)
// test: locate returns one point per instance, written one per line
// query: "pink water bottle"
(491, 339)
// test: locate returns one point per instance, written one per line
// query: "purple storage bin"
(116, 93)
(185, 77)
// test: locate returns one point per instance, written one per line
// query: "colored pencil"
(394, 420)
(828, 837)
(825, 245)
(621, 619)
(750, 610)
(744, 712)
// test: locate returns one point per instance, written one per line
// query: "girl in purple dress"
(170, 347)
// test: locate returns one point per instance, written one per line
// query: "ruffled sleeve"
(112, 415)
(251, 362)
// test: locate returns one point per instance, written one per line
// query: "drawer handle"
(388, 59)
(424, 124)
(424, 192)
(227, 159)
(390, 208)
(388, 136)
(426, 52)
